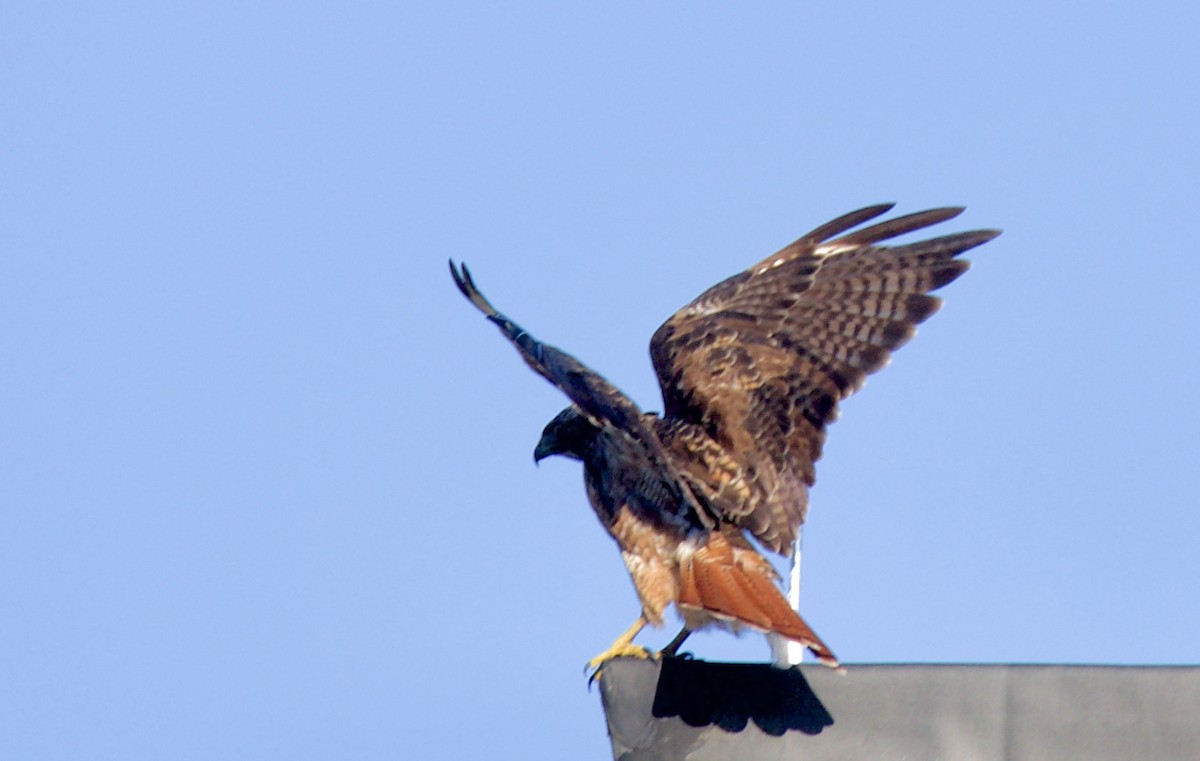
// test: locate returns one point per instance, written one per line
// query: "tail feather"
(736, 583)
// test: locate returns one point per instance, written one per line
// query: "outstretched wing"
(753, 369)
(601, 400)
(651, 480)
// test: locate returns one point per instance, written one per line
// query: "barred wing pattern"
(753, 369)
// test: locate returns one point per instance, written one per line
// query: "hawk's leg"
(623, 647)
(673, 646)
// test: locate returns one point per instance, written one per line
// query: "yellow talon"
(623, 647)
(620, 651)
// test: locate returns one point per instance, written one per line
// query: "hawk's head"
(568, 434)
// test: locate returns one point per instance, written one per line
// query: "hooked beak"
(544, 449)
(546, 446)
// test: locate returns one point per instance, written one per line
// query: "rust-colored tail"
(737, 583)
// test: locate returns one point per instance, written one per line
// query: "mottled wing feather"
(753, 369)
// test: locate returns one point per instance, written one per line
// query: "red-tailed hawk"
(751, 373)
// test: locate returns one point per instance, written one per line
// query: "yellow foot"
(618, 650)
(622, 648)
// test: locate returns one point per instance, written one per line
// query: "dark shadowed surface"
(699, 710)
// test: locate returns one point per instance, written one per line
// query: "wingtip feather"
(892, 228)
(845, 222)
(466, 285)
(458, 278)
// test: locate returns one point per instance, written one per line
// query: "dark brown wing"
(601, 400)
(753, 369)
(644, 467)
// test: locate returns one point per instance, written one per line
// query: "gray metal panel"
(678, 709)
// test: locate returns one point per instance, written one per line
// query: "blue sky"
(266, 487)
